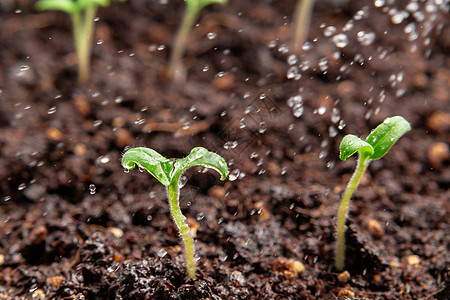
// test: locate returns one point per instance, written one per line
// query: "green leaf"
(67, 6)
(197, 5)
(386, 134)
(156, 164)
(199, 156)
(350, 144)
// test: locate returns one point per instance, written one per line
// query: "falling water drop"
(340, 40)
(92, 189)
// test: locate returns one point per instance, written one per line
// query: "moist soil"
(75, 226)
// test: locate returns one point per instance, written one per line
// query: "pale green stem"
(302, 17)
(83, 29)
(179, 44)
(173, 193)
(363, 163)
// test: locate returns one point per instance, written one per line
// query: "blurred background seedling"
(82, 13)
(193, 8)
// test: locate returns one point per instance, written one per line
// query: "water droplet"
(100, 42)
(323, 154)
(92, 189)
(51, 110)
(242, 123)
(161, 253)
(7, 198)
(321, 110)
(272, 44)
(332, 131)
(21, 187)
(182, 181)
(398, 16)
(230, 145)
(205, 68)
(103, 159)
(113, 268)
(211, 35)
(292, 101)
(234, 175)
(340, 40)
(293, 73)
(379, 3)
(262, 127)
(283, 49)
(307, 46)
(365, 38)
(97, 123)
(200, 216)
(24, 68)
(126, 171)
(329, 31)
(298, 110)
(292, 59)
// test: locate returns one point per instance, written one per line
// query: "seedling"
(302, 18)
(193, 8)
(168, 172)
(375, 146)
(82, 14)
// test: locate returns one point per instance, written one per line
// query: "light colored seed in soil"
(346, 293)
(55, 281)
(54, 134)
(216, 192)
(438, 153)
(375, 228)
(38, 295)
(344, 277)
(117, 232)
(413, 260)
(80, 149)
(439, 122)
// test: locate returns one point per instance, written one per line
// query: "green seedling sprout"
(302, 18)
(377, 144)
(82, 13)
(168, 172)
(193, 8)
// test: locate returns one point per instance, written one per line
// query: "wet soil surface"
(75, 226)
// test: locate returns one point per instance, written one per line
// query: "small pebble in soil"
(413, 260)
(38, 295)
(375, 228)
(438, 153)
(343, 277)
(117, 232)
(346, 293)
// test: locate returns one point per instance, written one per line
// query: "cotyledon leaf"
(67, 6)
(351, 144)
(200, 156)
(156, 164)
(386, 134)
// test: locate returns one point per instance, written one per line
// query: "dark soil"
(75, 226)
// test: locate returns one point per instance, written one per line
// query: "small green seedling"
(302, 18)
(82, 13)
(168, 172)
(375, 146)
(193, 8)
